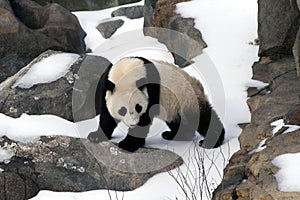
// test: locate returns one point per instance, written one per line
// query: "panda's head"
(126, 96)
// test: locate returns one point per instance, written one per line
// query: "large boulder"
(278, 23)
(55, 97)
(183, 39)
(75, 165)
(75, 5)
(28, 29)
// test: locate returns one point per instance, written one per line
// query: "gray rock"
(133, 12)
(107, 29)
(296, 53)
(149, 8)
(293, 116)
(75, 5)
(10, 64)
(56, 97)
(278, 23)
(28, 29)
(72, 165)
(180, 36)
(186, 26)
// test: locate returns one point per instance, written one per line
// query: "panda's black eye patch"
(138, 108)
(122, 111)
(109, 85)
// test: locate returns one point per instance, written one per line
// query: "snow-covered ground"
(227, 26)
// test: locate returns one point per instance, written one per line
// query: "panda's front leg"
(136, 136)
(105, 129)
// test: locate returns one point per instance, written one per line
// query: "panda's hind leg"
(211, 127)
(179, 131)
(174, 126)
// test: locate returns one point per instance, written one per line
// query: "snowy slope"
(227, 26)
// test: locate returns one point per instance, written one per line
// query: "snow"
(47, 70)
(288, 176)
(261, 146)
(32, 127)
(5, 155)
(279, 124)
(89, 21)
(224, 68)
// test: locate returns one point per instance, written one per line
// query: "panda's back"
(180, 93)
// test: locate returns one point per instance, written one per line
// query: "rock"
(75, 5)
(133, 12)
(149, 7)
(278, 24)
(84, 89)
(250, 173)
(176, 32)
(28, 29)
(296, 53)
(55, 97)
(10, 65)
(107, 29)
(76, 165)
(188, 51)
(293, 116)
(15, 185)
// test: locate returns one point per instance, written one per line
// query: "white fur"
(179, 94)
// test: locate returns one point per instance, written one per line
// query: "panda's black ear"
(141, 83)
(109, 85)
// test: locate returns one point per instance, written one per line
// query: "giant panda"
(135, 90)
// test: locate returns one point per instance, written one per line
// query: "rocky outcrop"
(250, 172)
(76, 165)
(28, 29)
(55, 97)
(184, 40)
(75, 5)
(278, 24)
(133, 12)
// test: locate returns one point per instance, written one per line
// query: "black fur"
(174, 127)
(210, 127)
(107, 123)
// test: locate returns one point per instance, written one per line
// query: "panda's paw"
(131, 144)
(168, 135)
(96, 137)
